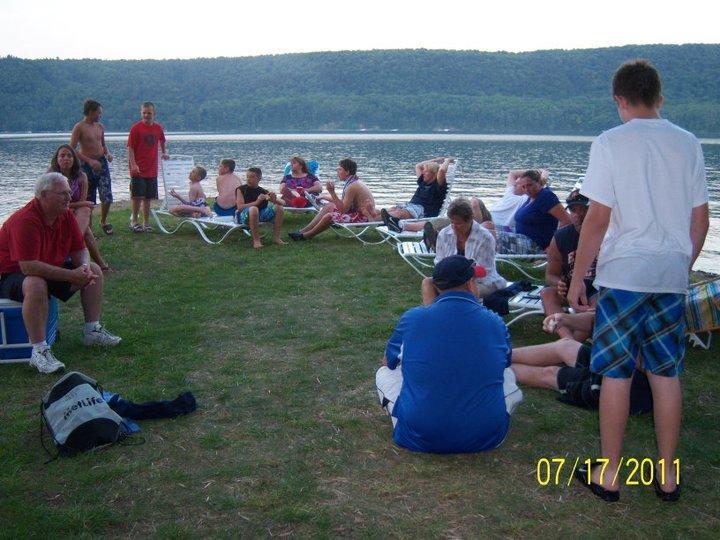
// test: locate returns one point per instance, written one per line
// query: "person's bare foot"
(279, 242)
(257, 244)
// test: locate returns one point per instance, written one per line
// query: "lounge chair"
(421, 259)
(173, 174)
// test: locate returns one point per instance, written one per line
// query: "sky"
(133, 29)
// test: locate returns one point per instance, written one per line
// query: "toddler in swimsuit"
(195, 205)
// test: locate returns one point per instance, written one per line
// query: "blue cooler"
(14, 342)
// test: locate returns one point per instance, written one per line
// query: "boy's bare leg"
(254, 224)
(135, 203)
(667, 413)
(316, 219)
(146, 211)
(277, 224)
(614, 411)
(104, 210)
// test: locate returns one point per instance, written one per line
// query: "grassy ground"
(280, 347)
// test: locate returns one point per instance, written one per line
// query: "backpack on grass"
(77, 417)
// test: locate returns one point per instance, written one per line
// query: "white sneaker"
(45, 362)
(100, 336)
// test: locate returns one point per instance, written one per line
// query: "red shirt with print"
(26, 237)
(144, 140)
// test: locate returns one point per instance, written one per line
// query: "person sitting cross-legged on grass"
(445, 379)
(256, 204)
(42, 254)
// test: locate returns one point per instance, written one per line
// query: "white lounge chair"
(702, 312)
(526, 304)
(174, 175)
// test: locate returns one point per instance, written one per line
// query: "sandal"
(582, 475)
(107, 229)
(148, 228)
(137, 228)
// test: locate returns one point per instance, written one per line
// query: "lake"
(385, 162)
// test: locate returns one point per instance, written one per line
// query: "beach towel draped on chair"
(702, 311)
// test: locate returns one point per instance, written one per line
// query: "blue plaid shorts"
(631, 325)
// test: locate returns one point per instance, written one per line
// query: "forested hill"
(546, 92)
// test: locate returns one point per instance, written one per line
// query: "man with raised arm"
(428, 197)
(646, 224)
(143, 141)
(42, 253)
(88, 140)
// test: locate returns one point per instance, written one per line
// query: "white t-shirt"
(503, 210)
(651, 174)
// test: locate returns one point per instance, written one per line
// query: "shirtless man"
(88, 139)
(227, 182)
(350, 207)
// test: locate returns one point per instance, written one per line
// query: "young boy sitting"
(195, 205)
(256, 204)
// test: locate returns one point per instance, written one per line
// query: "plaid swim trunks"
(631, 325)
(350, 217)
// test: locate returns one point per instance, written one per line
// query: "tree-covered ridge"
(410, 90)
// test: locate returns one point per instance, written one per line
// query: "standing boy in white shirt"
(647, 223)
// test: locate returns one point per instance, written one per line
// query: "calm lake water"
(386, 163)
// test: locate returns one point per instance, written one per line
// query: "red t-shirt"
(143, 140)
(26, 237)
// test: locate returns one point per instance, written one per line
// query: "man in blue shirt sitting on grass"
(445, 379)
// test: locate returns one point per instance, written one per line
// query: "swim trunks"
(628, 324)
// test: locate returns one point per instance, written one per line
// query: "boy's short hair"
(637, 81)
(256, 171)
(202, 173)
(148, 104)
(349, 165)
(229, 163)
(91, 105)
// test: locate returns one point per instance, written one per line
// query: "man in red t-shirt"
(142, 145)
(42, 254)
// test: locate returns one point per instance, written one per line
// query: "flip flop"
(148, 228)
(107, 229)
(137, 228)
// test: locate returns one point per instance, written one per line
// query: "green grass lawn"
(280, 348)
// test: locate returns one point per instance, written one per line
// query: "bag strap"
(43, 426)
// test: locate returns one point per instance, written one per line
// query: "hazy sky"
(209, 28)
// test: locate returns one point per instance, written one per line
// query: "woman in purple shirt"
(300, 179)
